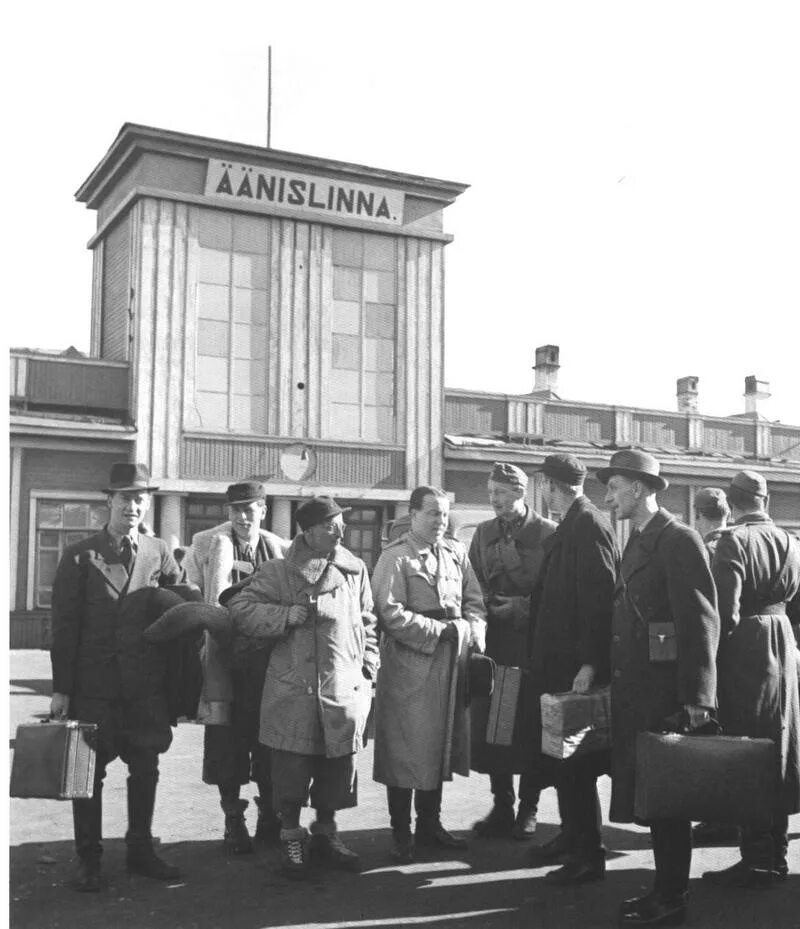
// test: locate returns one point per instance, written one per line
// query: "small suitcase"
(716, 778)
(503, 706)
(576, 724)
(54, 760)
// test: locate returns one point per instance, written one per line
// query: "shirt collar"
(116, 539)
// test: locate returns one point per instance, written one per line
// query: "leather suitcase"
(717, 778)
(503, 706)
(576, 724)
(54, 760)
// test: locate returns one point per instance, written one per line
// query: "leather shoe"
(525, 824)
(556, 851)
(715, 834)
(653, 910)
(88, 879)
(577, 872)
(402, 850)
(740, 874)
(436, 836)
(148, 864)
(498, 823)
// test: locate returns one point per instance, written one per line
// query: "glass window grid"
(60, 523)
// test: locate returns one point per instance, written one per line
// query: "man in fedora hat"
(231, 698)
(665, 631)
(506, 554)
(756, 567)
(105, 672)
(314, 608)
(571, 611)
(431, 613)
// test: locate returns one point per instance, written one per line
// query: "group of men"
(287, 690)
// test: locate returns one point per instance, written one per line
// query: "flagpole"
(269, 96)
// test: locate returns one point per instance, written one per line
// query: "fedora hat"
(317, 510)
(127, 475)
(638, 465)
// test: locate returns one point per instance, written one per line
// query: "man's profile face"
(430, 522)
(126, 509)
(246, 518)
(326, 536)
(505, 500)
(621, 496)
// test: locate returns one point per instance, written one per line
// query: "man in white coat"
(430, 612)
(231, 697)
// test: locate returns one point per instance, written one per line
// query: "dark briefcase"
(503, 706)
(54, 760)
(716, 778)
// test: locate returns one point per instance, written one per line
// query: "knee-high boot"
(141, 858)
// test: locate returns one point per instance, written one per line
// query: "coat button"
(615, 638)
(310, 691)
(618, 673)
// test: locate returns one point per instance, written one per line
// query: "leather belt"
(768, 609)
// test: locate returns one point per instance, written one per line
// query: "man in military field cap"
(506, 554)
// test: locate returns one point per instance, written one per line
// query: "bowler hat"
(565, 468)
(317, 510)
(127, 475)
(508, 474)
(751, 482)
(635, 464)
(246, 492)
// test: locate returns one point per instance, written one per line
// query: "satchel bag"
(662, 642)
(716, 778)
(54, 760)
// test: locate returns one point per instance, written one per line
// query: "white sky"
(635, 191)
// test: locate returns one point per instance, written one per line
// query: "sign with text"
(235, 182)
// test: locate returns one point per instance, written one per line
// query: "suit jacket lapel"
(142, 564)
(104, 561)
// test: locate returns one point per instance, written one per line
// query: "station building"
(258, 313)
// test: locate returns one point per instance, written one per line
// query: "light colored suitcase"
(54, 760)
(576, 724)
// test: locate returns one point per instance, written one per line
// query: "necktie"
(126, 552)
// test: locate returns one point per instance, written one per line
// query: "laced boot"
(326, 842)
(498, 822)
(525, 823)
(268, 825)
(236, 838)
(294, 852)
(402, 850)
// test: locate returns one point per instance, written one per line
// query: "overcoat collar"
(576, 508)
(640, 553)
(311, 566)
(527, 534)
(761, 518)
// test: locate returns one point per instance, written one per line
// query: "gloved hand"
(297, 615)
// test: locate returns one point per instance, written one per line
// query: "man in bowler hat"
(104, 671)
(664, 579)
(230, 701)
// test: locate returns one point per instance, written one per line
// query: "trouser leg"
(764, 847)
(580, 806)
(529, 791)
(428, 805)
(87, 818)
(502, 786)
(672, 851)
(399, 800)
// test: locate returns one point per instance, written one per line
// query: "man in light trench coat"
(431, 613)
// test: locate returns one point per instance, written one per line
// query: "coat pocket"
(663, 642)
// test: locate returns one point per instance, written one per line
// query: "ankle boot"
(236, 838)
(268, 825)
(141, 858)
(326, 843)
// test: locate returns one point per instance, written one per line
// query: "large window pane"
(49, 515)
(347, 248)
(214, 301)
(344, 421)
(344, 387)
(212, 410)
(378, 423)
(379, 355)
(212, 338)
(250, 342)
(379, 286)
(248, 414)
(346, 317)
(249, 378)
(379, 321)
(380, 252)
(346, 284)
(214, 229)
(212, 374)
(250, 234)
(250, 306)
(215, 266)
(250, 270)
(378, 389)
(346, 352)
(75, 514)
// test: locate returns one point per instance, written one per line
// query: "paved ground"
(490, 886)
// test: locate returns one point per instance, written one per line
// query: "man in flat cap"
(665, 631)
(757, 569)
(314, 608)
(231, 699)
(571, 611)
(431, 614)
(506, 554)
(104, 671)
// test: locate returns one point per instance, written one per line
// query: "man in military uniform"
(231, 697)
(430, 611)
(506, 553)
(105, 672)
(664, 579)
(757, 570)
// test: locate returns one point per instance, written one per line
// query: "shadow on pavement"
(27, 688)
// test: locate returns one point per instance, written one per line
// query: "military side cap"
(508, 474)
(565, 468)
(635, 464)
(710, 500)
(751, 482)
(246, 492)
(317, 510)
(128, 475)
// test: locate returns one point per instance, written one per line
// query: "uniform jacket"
(97, 647)
(710, 540)
(210, 564)
(664, 577)
(421, 721)
(318, 690)
(510, 569)
(573, 602)
(757, 568)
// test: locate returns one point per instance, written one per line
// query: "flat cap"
(566, 468)
(246, 492)
(317, 510)
(751, 482)
(635, 464)
(711, 500)
(508, 474)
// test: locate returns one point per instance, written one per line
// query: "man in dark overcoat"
(506, 553)
(104, 671)
(757, 569)
(571, 611)
(664, 578)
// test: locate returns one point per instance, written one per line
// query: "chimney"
(546, 368)
(687, 394)
(754, 390)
